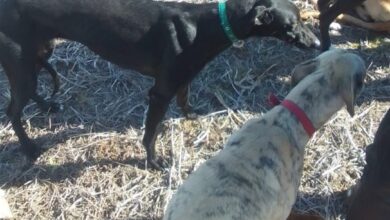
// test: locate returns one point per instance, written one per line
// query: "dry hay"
(94, 167)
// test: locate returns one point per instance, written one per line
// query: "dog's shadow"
(314, 203)
(57, 173)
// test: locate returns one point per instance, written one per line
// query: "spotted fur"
(256, 175)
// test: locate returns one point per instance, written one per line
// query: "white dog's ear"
(348, 95)
(348, 85)
(303, 69)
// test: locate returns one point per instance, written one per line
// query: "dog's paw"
(50, 107)
(31, 150)
(159, 164)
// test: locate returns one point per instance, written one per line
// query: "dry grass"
(94, 167)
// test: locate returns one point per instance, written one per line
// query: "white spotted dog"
(256, 176)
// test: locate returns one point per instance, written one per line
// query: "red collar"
(297, 111)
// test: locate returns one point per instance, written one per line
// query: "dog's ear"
(303, 69)
(262, 15)
(348, 85)
(348, 95)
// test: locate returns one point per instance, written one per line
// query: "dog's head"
(343, 72)
(281, 19)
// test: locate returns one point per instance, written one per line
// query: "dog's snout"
(315, 42)
(307, 38)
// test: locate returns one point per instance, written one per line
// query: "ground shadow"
(238, 79)
(58, 173)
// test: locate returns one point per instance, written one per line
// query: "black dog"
(170, 41)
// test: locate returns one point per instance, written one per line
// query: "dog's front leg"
(27, 146)
(159, 98)
(171, 81)
(46, 106)
(22, 86)
(328, 15)
(23, 81)
(326, 18)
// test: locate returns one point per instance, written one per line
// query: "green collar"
(226, 25)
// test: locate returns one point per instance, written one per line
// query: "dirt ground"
(94, 166)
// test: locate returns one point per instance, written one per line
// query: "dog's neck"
(316, 97)
(215, 40)
(237, 13)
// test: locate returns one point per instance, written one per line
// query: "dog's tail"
(54, 75)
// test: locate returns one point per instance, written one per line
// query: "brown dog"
(369, 14)
(370, 199)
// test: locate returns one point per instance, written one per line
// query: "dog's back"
(374, 10)
(367, 10)
(129, 33)
(369, 14)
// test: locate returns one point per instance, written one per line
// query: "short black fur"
(169, 41)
